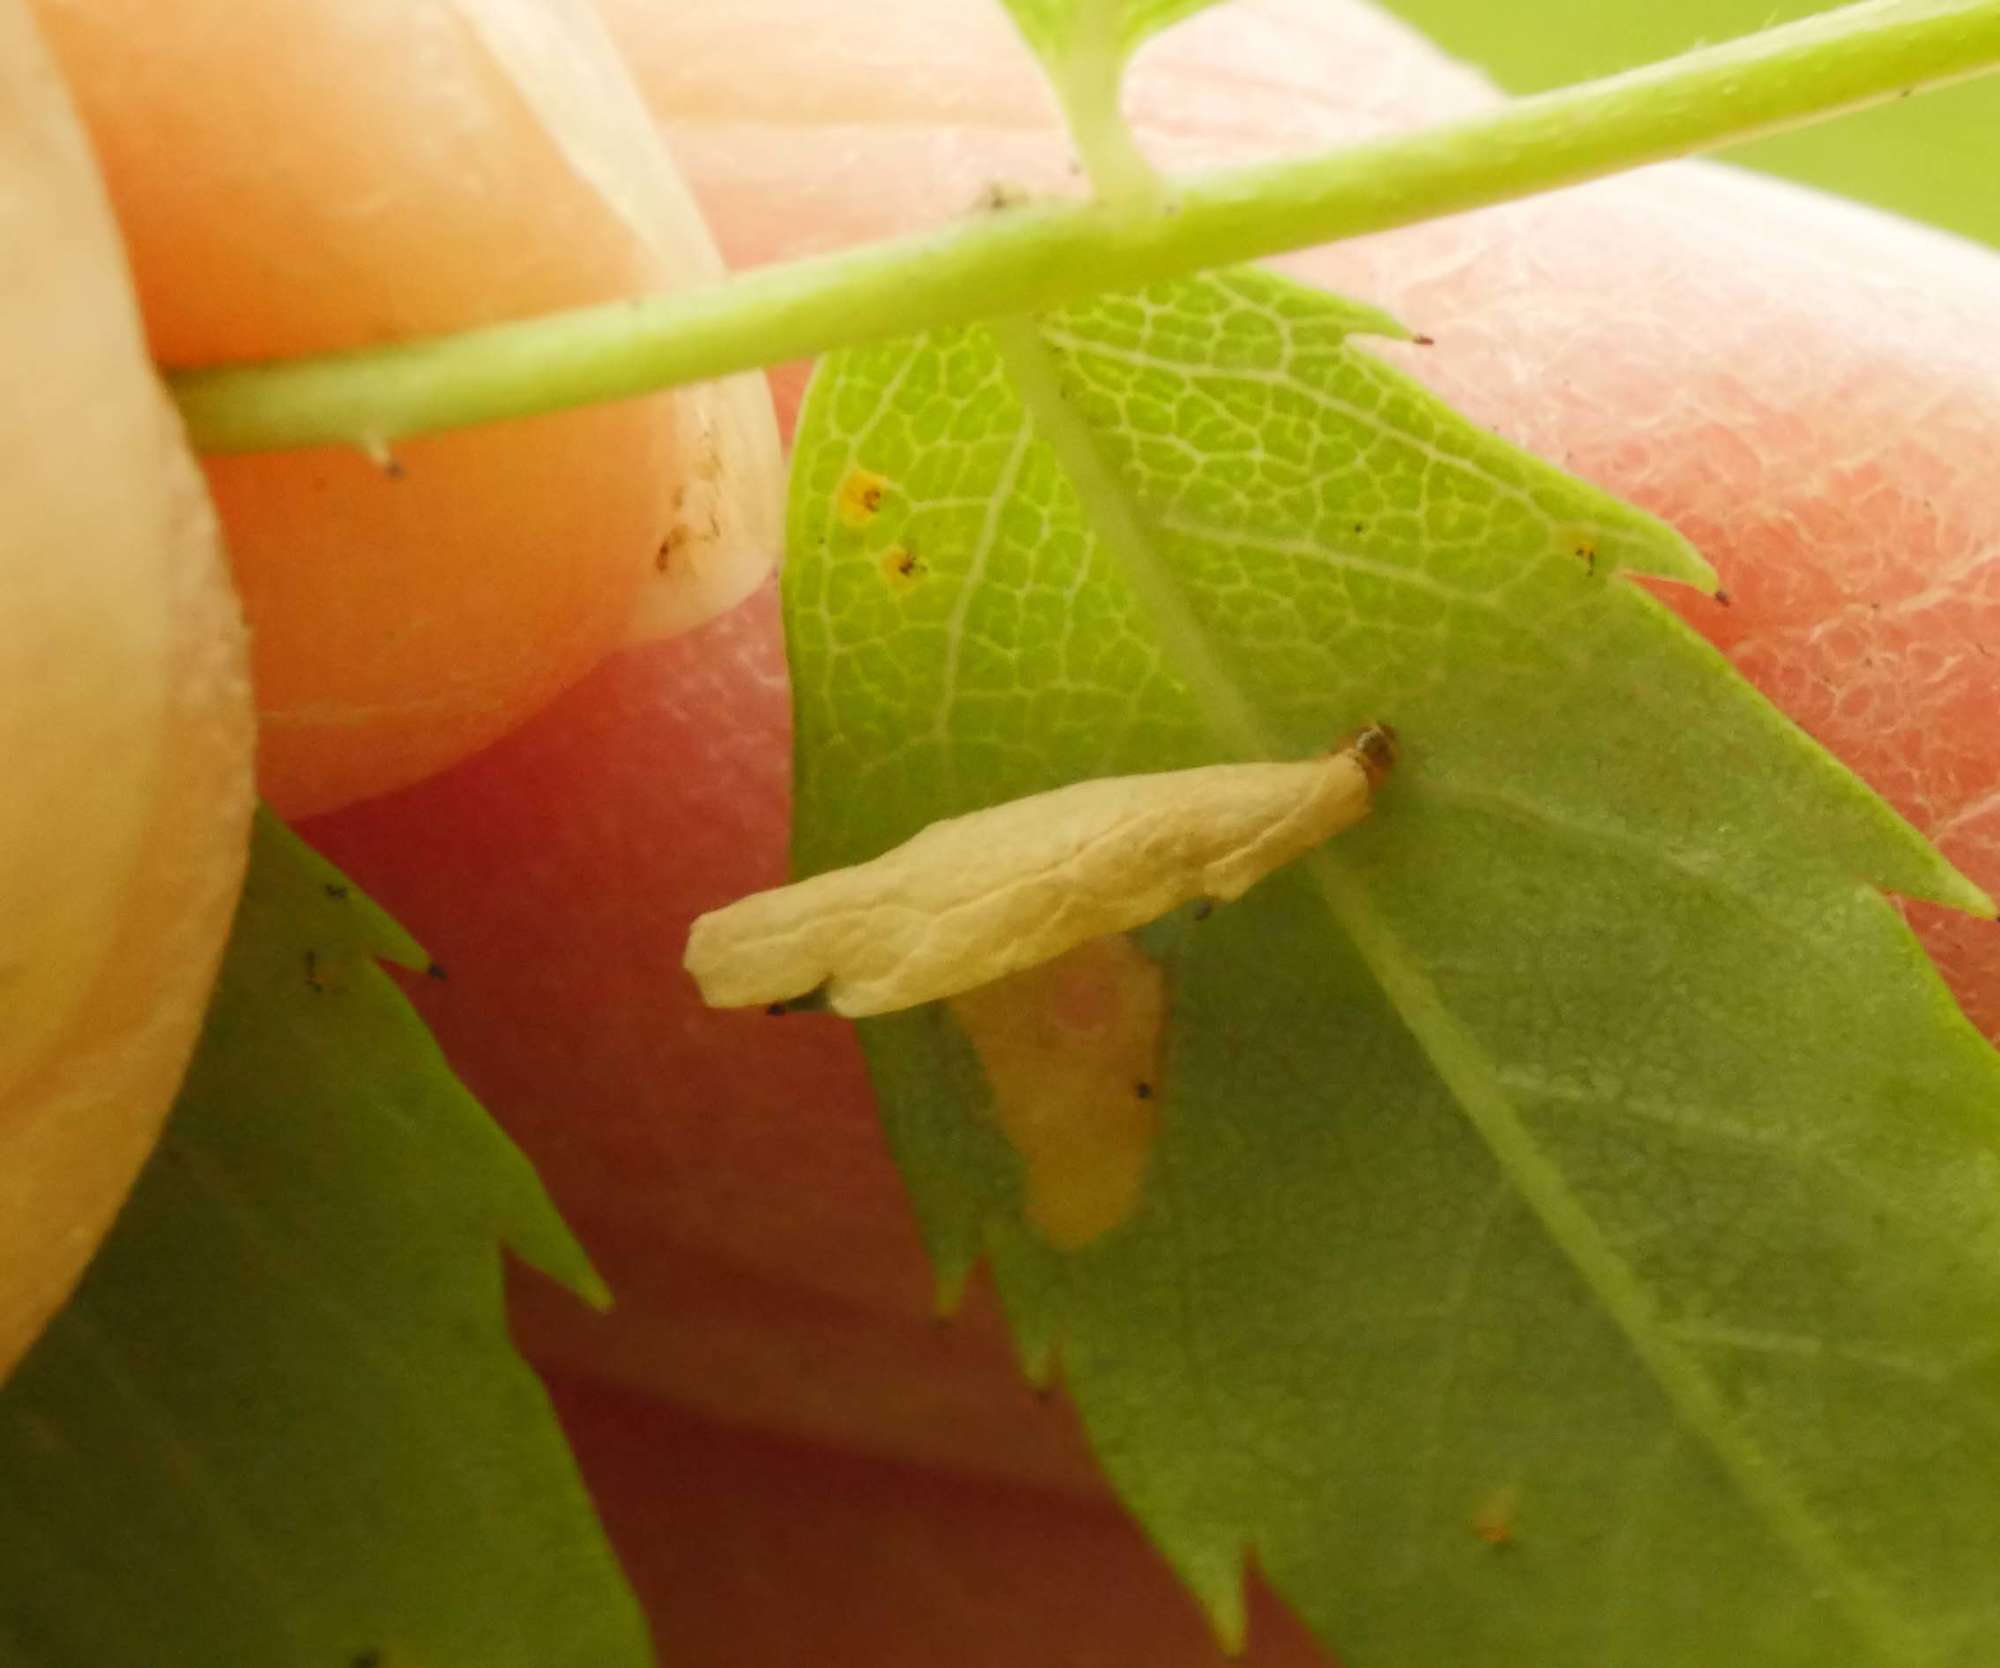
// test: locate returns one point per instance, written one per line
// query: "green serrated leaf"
(1575, 1233)
(281, 1423)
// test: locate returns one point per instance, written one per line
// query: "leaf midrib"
(1468, 1072)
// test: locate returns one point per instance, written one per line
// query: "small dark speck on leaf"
(313, 981)
(1204, 909)
(902, 566)
(1723, 598)
(335, 891)
(1143, 1090)
(370, 1658)
(1361, 527)
(1421, 340)
(436, 971)
(777, 1010)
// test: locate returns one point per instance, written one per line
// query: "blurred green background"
(1935, 157)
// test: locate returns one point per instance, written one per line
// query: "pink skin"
(1806, 389)
(298, 176)
(877, 1564)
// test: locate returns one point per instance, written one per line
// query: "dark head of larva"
(1375, 746)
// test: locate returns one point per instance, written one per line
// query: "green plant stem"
(1087, 85)
(1043, 254)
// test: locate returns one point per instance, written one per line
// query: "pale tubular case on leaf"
(977, 897)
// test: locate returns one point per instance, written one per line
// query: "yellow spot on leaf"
(901, 568)
(859, 499)
(1580, 543)
(1072, 1054)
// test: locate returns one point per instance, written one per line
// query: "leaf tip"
(1218, 1587)
(1961, 894)
(948, 1290)
(327, 897)
(1668, 555)
(535, 1232)
(1363, 318)
(1038, 1360)
(589, 1285)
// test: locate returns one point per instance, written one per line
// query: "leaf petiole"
(1044, 254)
